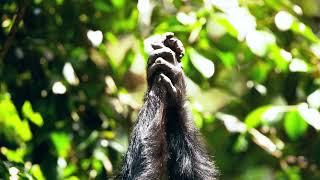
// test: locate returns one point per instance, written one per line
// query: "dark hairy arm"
(165, 143)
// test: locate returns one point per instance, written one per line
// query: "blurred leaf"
(305, 31)
(298, 65)
(259, 72)
(264, 142)
(292, 173)
(100, 155)
(241, 144)
(232, 123)
(222, 20)
(108, 134)
(273, 114)
(13, 127)
(36, 172)
(14, 155)
(102, 6)
(260, 41)
(203, 65)
(254, 118)
(275, 55)
(62, 143)
(197, 118)
(294, 125)
(228, 59)
(24, 130)
(242, 55)
(261, 173)
(32, 116)
(215, 29)
(314, 99)
(310, 115)
(118, 3)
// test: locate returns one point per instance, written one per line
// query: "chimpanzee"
(165, 143)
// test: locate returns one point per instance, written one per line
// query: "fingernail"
(169, 35)
(158, 61)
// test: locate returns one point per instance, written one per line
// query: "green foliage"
(28, 113)
(294, 125)
(14, 130)
(72, 80)
(61, 142)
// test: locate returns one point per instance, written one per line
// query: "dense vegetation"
(72, 78)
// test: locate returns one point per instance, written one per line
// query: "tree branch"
(13, 30)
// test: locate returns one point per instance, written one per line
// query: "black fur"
(165, 143)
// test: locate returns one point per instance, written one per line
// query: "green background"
(72, 80)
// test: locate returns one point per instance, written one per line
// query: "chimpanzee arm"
(187, 157)
(147, 149)
(188, 160)
(165, 142)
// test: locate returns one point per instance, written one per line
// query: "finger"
(161, 65)
(168, 35)
(157, 46)
(168, 84)
(165, 52)
(176, 45)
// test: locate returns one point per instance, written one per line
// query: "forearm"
(146, 152)
(188, 157)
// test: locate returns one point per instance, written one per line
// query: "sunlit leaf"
(310, 115)
(305, 31)
(221, 19)
(212, 99)
(242, 20)
(102, 6)
(273, 114)
(283, 20)
(16, 155)
(264, 142)
(36, 172)
(186, 19)
(225, 5)
(215, 29)
(100, 155)
(61, 142)
(241, 144)
(108, 134)
(294, 125)
(232, 123)
(314, 99)
(227, 58)
(118, 3)
(13, 127)
(298, 65)
(276, 56)
(260, 41)
(59, 2)
(255, 117)
(28, 112)
(198, 120)
(24, 130)
(260, 72)
(315, 48)
(203, 65)
(145, 8)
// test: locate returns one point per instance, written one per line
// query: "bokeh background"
(72, 80)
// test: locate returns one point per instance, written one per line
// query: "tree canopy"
(72, 80)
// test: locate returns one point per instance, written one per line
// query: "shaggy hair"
(165, 143)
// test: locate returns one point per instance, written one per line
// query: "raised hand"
(164, 68)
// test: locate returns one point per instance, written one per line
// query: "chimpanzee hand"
(164, 142)
(164, 68)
